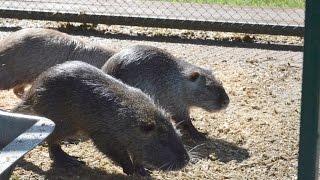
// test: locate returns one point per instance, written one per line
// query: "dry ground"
(256, 137)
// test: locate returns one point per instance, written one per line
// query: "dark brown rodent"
(26, 53)
(123, 122)
(175, 84)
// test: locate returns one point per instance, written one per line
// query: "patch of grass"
(256, 3)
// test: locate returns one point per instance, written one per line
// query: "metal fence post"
(309, 127)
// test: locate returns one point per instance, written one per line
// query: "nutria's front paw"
(128, 169)
(198, 136)
(68, 162)
(193, 132)
(140, 170)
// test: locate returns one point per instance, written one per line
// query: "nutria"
(26, 53)
(175, 84)
(123, 122)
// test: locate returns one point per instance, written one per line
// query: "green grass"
(256, 3)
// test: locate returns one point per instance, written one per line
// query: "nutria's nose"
(223, 98)
(182, 161)
(186, 158)
(226, 101)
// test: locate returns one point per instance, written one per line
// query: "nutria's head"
(203, 90)
(152, 139)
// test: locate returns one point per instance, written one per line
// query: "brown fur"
(26, 53)
(123, 122)
(175, 84)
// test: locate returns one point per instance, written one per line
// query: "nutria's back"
(165, 78)
(151, 70)
(119, 118)
(26, 53)
(74, 83)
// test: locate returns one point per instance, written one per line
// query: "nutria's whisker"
(175, 165)
(192, 155)
(187, 147)
(170, 167)
(165, 164)
(199, 145)
(167, 169)
(195, 154)
(176, 125)
(194, 158)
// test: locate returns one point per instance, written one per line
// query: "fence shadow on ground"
(10, 29)
(79, 30)
(85, 31)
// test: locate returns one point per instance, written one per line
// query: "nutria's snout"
(224, 100)
(163, 148)
(181, 160)
(178, 164)
(185, 159)
(220, 101)
(171, 160)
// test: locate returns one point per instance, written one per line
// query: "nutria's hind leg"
(61, 158)
(18, 90)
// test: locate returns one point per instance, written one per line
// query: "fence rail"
(278, 21)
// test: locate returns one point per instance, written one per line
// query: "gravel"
(256, 137)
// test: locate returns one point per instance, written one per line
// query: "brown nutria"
(123, 122)
(26, 53)
(175, 84)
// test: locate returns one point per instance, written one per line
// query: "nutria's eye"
(147, 127)
(194, 76)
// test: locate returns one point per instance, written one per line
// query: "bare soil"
(256, 137)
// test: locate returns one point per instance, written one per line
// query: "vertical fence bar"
(309, 127)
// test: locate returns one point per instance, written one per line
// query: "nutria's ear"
(194, 76)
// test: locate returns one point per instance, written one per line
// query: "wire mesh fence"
(182, 15)
(262, 78)
(264, 88)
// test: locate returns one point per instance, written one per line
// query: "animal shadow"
(82, 172)
(218, 149)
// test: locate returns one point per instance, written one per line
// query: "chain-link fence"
(200, 16)
(261, 74)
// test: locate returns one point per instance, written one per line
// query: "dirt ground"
(256, 137)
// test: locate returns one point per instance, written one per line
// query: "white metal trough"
(18, 135)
